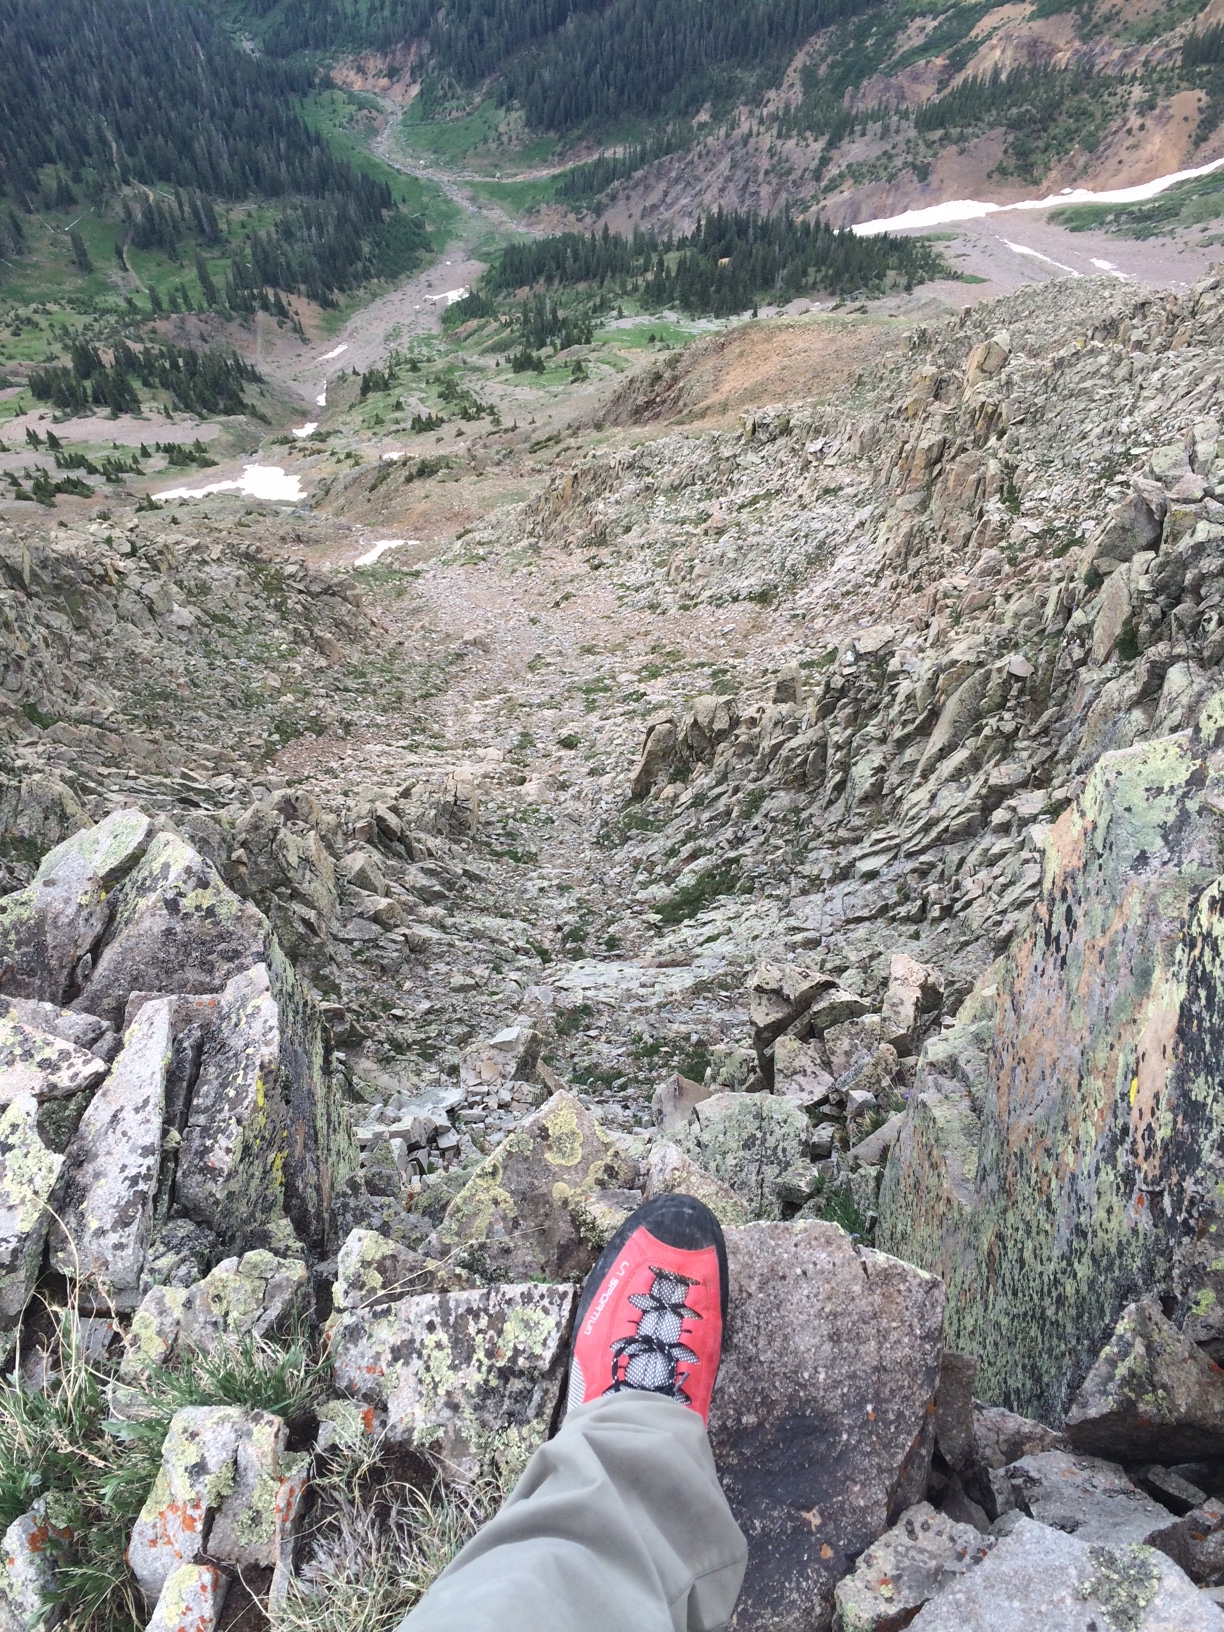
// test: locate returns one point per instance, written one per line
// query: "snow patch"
(451, 296)
(257, 482)
(321, 399)
(310, 426)
(381, 548)
(1036, 255)
(969, 209)
(328, 355)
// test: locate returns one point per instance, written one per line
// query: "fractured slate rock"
(472, 1378)
(923, 1553)
(28, 1175)
(112, 1168)
(175, 927)
(47, 929)
(37, 1062)
(229, 1166)
(748, 1142)
(1152, 1395)
(514, 1212)
(822, 1424)
(1083, 1495)
(1041, 1578)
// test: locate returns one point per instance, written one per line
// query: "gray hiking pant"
(617, 1525)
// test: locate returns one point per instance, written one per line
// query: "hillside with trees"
(165, 124)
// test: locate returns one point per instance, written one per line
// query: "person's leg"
(619, 1524)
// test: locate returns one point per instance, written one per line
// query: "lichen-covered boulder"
(1152, 1395)
(372, 1269)
(257, 1295)
(823, 1419)
(50, 928)
(226, 1491)
(514, 1212)
(671, 1171)
(191, 1600)
(749, 1142)
(105, 1217)
(1040, 1578)
(470, 1377)
(174, 927)
(1061, 1146)
(36, 1062)
(28, 1578)
(230, 1165)
(197, 1473)
(28, 1175)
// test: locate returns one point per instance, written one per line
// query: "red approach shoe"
(652, 1311)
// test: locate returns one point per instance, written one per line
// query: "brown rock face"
(823, 1417)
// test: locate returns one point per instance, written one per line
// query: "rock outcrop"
(203, 1116)
(1059, 1153)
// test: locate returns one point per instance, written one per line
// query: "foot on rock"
(653, 1309)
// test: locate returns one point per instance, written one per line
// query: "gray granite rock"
(112, 1168)
(1039, 1578)
(1084, 1496)
(822, 1423)
(910, 1564)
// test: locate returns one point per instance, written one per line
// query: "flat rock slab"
(112, 1168)
(1153, 1395)
(912, 1563)
(471, 1377)
(823, 1417)
(1040, 1580)
(1083, 1495)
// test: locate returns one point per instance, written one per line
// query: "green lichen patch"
(1125, 1583)
(520, 1208)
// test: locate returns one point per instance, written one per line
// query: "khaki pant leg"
(617, 1525)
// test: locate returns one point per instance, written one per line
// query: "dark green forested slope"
(101, 96)
(569, 63)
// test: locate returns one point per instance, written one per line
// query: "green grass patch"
(1189, 204)
(697, 895)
